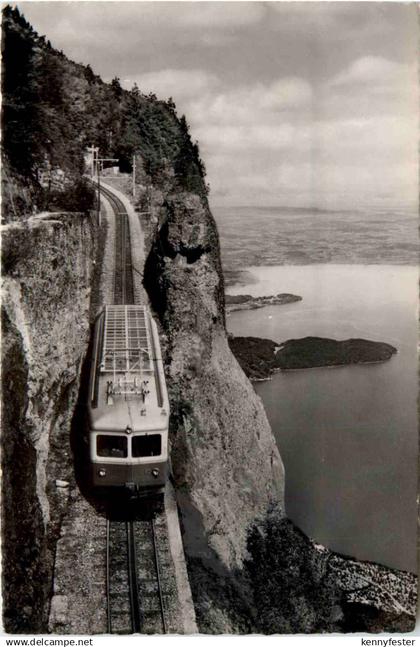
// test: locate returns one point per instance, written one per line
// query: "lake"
(293, 236)
(347, 435)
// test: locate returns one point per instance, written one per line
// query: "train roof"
(128, 384)
(127, 345)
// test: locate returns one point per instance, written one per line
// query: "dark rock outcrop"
(47, 271)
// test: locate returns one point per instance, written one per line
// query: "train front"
(128, 408)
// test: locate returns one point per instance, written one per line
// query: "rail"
(136, 616)
(158, 577)
(135, 601)
(123, 279)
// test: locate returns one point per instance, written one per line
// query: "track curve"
(123, 268)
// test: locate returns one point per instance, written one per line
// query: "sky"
(292, 103)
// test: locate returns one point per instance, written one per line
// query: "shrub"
(78, 196)
(292, 593)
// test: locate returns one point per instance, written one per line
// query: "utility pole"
(134, 175)
(95, 152)
(99, 193)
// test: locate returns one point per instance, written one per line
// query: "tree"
(189, 168)
(89, 75)
(20, 95)
(116, 88)
(135, 91)
(171, 106)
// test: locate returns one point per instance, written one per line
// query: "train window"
(150, 445)
(111, 446)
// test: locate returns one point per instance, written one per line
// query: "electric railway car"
(128, 408)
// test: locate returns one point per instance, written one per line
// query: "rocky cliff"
(225, 462)
(47, 272)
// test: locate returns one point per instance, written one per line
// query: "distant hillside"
(54, 108)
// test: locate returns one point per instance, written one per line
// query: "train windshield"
(111, 446)
(150, 445)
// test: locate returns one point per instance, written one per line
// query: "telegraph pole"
(134, 176)
(99, 192)
(95, 152)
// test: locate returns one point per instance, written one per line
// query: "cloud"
(373, 70)
(288, 140)
(285, 98)
(249, 105)
(373, 87)
(122, 23)
(221, 15)
(256, 139)
(340, 26)
(300, 159)
(320, 14)
(286, 93)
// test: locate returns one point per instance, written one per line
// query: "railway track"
(135, 563)
(123, 280)
(135, 599)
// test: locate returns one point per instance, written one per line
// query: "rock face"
(247, 302)
(47, 270)
(375, 598)
(225, 461)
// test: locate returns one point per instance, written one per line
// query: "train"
(128, 406)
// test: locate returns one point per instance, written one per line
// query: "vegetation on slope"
(256, 356)
(300, 587)
(259, 358)
(311, 352)
(292, 593)
(53, 109)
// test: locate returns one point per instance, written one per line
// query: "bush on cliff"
(77, 196)
(292, 594)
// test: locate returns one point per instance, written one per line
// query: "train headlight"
(155, 472)
(102, 472)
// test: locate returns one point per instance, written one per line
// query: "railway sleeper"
(151, 606)
(149, 589)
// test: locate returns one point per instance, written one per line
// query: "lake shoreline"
(239, 302)
(337, 430)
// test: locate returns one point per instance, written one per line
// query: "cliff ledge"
(47, 272)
